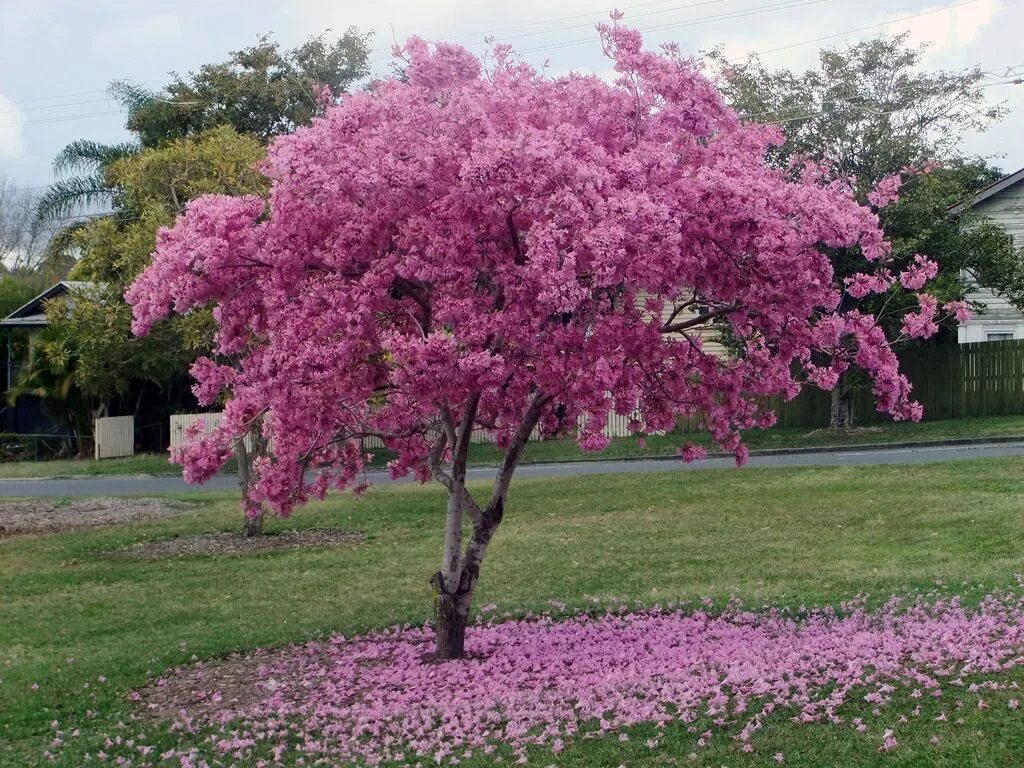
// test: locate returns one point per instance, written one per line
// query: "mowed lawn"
(70, 615)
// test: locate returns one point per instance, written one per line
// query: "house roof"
(994, 188)
(33, 314)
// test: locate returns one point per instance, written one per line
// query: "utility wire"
(729, 16)
(591, 14)
(726, 16)
(852, 31)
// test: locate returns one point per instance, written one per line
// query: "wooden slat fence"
(114, 436)
(180, 422)
(951, 381)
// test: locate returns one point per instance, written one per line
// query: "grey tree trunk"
(456, 582)
(841, 411)
(253, 523)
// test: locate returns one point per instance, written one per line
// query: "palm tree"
(90, 160)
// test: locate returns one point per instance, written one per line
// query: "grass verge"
(808, 535)
(779, 438)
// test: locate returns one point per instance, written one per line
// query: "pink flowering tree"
(482, 246)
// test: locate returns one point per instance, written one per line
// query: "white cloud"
(12, 137)
(948, 31)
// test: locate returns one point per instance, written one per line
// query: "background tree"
(83, 164)
(871, 112)
(261, 90)
(88, 344)
(509, 252)
(22, 238)
(201, 134)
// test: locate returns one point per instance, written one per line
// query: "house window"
(999, 336)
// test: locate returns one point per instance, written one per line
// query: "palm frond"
(61, 250)
(68, 196)
(91, 157)
(131, 96)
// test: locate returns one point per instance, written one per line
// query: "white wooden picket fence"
(180, 423)
(617, 426)
(114, 436)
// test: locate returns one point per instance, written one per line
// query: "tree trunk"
(456, 581)
(253, 525)
(841, 412)
(253, 522)
(451, 621)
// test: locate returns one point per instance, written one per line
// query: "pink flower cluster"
(542, 683)
(914, 277)
(886, 191)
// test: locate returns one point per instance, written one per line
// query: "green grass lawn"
(567, 450)
(794, 536)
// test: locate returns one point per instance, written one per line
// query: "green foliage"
(88, 354)
(261, 90)
(92, 331)
(14, 292)
(90, 160)
(219, 161)
(868, 107)
(203, 134)
(871, 110)
(50, 376)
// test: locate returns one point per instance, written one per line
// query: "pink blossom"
(958, 309)
(886, 191)
(922, 270)
(692, 452)
(541, 683)
(863, 284)
(922, 324)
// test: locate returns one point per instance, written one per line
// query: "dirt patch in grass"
(225, 543)
(213, 689)
(56, 515)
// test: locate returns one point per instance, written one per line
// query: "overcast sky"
(56, 58)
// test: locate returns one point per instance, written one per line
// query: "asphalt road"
(114, 485)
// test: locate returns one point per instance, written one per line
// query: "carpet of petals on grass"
(544, 682)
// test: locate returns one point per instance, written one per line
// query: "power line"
(726, 16)
(852, 31)
(590, 24)
(55, 106)
(860, 97)
(61, 119)
(729, 16)
(62, 96)
(493, 32)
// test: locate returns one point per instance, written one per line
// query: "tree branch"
(515, 449)
(434, 461)
(517, 246)
(698, 319)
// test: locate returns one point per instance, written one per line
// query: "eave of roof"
(994, 188)
(32, 321)
(33, 312)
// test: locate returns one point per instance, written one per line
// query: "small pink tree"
(491, 248)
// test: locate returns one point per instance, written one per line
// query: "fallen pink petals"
(544, 683)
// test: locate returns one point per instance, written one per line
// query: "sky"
(57, 58)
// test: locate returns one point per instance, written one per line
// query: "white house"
(1001, 201)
